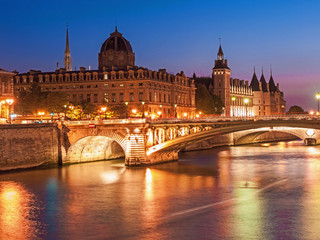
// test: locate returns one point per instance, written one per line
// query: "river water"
(262, 191)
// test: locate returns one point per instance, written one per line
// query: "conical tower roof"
(263, 83)
(254, 82)
(272, 86)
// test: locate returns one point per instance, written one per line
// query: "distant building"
(6, 93)
(117, 81)
(240, 98)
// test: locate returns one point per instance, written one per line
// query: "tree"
(206, 102)
(30, 101)
(33, 100)
(119, 110)
(295, 110)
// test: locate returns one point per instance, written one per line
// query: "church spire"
(67, 62)
(220, 52)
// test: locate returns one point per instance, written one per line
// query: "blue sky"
(176, 35)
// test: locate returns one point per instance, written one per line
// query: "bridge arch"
(262, 135)
(94, 148)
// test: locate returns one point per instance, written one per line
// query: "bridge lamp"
(1, 103)
(310, 132)
(311, 112)
(246, 101)
(104, 109)
(143, 113)
(175, 110)
(318, 98)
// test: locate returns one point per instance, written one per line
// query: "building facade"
(239, 98)
(6, 93)
(119, 81)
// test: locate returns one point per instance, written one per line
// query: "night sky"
(173, 34)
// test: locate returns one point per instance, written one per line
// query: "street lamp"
(318, 98)
(233, 99)
(127, 113)
(104, 109)
(142, 110)
(246, 101)
(175, 110)
(9, 102)
(1, 103)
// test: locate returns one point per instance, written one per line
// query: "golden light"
(310, 132)
(175, 105)
(146, 114)
(159, 113)
(153, 116)
(311, 112)
(9, 101)
(318, 96)
(126, 103)
(71, 107)
(200, 113)
(103, 109)
(134, 111)
(2, 102)
(197, 115)
(40, 113)
(142, 103)
(185, 114)
(233, 98)
(246, 100)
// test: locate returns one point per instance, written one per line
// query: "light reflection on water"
(263, 191)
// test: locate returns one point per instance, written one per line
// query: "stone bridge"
(142, 142)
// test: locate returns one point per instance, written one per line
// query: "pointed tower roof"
(263, 83)
(254, 82)
(272, 85)
(220, 63)
(67, 42)
(220, 52)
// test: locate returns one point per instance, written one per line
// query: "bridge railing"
(108, 121)
(236, 119)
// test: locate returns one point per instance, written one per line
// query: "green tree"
(295, 109)
(30, 101)
(207, 103)
(118, 110)
(55, 101)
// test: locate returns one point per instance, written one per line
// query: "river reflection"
(263, 191)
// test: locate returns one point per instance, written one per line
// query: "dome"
(117, 52)
(116, 42)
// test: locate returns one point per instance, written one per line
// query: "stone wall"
(28, 145)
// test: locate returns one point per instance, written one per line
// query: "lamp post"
(233, 99)
(246, 101)
(9, 102)
(1, 103)
(127, 112)
(318, 98)
(142, 110)
(104, 109)
(175, 110)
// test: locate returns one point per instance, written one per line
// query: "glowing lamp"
(310, 132)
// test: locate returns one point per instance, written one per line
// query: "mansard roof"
(263, 83)
(272, 86)
(254, 83)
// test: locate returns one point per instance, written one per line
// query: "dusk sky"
(173, 34)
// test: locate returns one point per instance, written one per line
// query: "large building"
(239, 98)
(6, 93)
(118, 81)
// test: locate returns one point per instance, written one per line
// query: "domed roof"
(116, 42)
